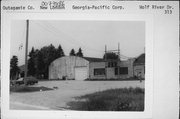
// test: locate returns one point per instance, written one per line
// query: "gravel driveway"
(66, 90)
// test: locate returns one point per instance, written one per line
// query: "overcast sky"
(91, 36)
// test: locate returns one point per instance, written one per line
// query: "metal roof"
(140, 59)
(92, 59)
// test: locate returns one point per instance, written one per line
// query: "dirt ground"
(64, 92)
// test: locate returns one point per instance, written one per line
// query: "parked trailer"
(30, 80)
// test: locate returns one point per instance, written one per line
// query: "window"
(112, 64)
(109, 64)
(121, 70)
(116, 71)
(99, 71)
(115, 64)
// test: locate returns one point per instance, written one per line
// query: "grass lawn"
(57, 94)
(122, 99)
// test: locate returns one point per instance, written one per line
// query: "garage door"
(81, 73)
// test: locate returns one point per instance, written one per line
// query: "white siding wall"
(95, 65)
(111, 70)
(129, 64)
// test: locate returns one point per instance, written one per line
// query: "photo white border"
(5, 47)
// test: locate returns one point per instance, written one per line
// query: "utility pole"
(26, 49)
(105, 62)
(119, 59)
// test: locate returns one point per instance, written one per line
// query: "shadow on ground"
(23, 89)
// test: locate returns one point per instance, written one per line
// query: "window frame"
(97, 72)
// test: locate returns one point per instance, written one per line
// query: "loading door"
(81, 73)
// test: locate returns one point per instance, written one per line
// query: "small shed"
(139, 66)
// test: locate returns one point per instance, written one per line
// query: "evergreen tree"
(31, 63)
(72, 53)
(59, 52)
(39, 60)
(14, 69)
(40, 64)
(79, 53)
(49, 55)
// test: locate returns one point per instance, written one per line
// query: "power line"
(50, 28)
(74, 41)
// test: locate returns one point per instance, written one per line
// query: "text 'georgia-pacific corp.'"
(96, 7)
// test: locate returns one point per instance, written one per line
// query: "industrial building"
(81, 68)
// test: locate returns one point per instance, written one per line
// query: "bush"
(131, 99)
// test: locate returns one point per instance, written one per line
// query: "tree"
(40, 59)
(14, 69)
(31, 63)
(59, 52)
(49, 55)
(40, 65)
(79, 53)
(110, 55)
(72, 53)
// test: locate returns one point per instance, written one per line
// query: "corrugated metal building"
(70, 67)
(81, 68)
